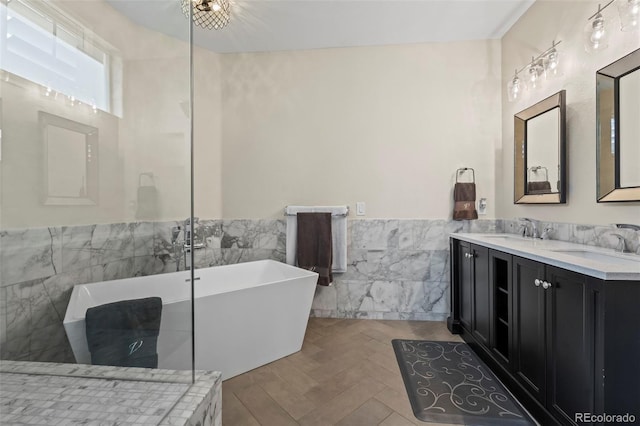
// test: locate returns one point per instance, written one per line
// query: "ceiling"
(271, 25)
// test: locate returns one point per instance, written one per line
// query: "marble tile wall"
(397, 269)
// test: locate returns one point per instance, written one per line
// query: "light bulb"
(598, 29)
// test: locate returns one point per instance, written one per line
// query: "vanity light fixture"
(545, 64)
(629, 11)
(208, 14)
(595, 32)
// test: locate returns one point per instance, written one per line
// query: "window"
(40, 45)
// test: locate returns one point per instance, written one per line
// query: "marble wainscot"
(61, 394)
(397, 268)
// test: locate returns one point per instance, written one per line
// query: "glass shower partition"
(95, 183)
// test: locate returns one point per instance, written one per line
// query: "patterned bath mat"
(448, 383)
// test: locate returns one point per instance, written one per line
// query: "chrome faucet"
(175, 232)
(534, 229)
(523, 230)
(627, 226)
(622, 245)
(546, 232)
(188, 228)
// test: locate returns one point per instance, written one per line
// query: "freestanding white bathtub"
(246, 315)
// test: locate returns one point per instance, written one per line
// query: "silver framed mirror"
(540, 152)
(618, 130)
(70, 161)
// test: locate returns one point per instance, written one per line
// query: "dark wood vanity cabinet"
(474, 297)
(529, 348)
(563, 342)
(554, 333)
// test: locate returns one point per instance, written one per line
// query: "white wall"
(533, 33)
(207, 134)
(153, 134)
(384, 125)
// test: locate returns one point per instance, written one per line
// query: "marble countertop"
(60, 394)
(596, 262)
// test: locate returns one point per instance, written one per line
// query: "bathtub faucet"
(188, 230)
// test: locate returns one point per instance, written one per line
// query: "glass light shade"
(596, 35)
(515, 88)
(551, 63)
(534, 72)
(629, 11)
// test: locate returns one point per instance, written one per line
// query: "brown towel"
(313, 245)
(543, 187)
(464, 197)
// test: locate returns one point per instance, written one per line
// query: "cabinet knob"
(537, 282)
(546, 284)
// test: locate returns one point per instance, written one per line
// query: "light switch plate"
(360, 208)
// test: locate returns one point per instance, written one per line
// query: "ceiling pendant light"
(595, 32)
(629, 11)
(208, 14)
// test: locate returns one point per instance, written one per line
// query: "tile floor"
(346, 374)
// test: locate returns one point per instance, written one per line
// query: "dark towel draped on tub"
(125, 333)
(464, 197)
(313, 245)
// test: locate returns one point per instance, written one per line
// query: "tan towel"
(464, 197)
(543, 187)
(313, 245)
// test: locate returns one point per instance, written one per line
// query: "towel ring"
(536, 169)
(465, 169)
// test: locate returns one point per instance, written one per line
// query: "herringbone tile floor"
(346, 374)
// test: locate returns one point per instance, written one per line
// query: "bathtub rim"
(72, 315)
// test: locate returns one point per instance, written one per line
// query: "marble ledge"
(188, 404)
(597, 262)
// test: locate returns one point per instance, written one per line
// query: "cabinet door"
(529, 326)
(465, 283)
(482, 295)
(570, 346)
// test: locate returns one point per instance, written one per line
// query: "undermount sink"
(506, 237)
(601, 257)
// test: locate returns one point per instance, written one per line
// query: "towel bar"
(332, 215)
